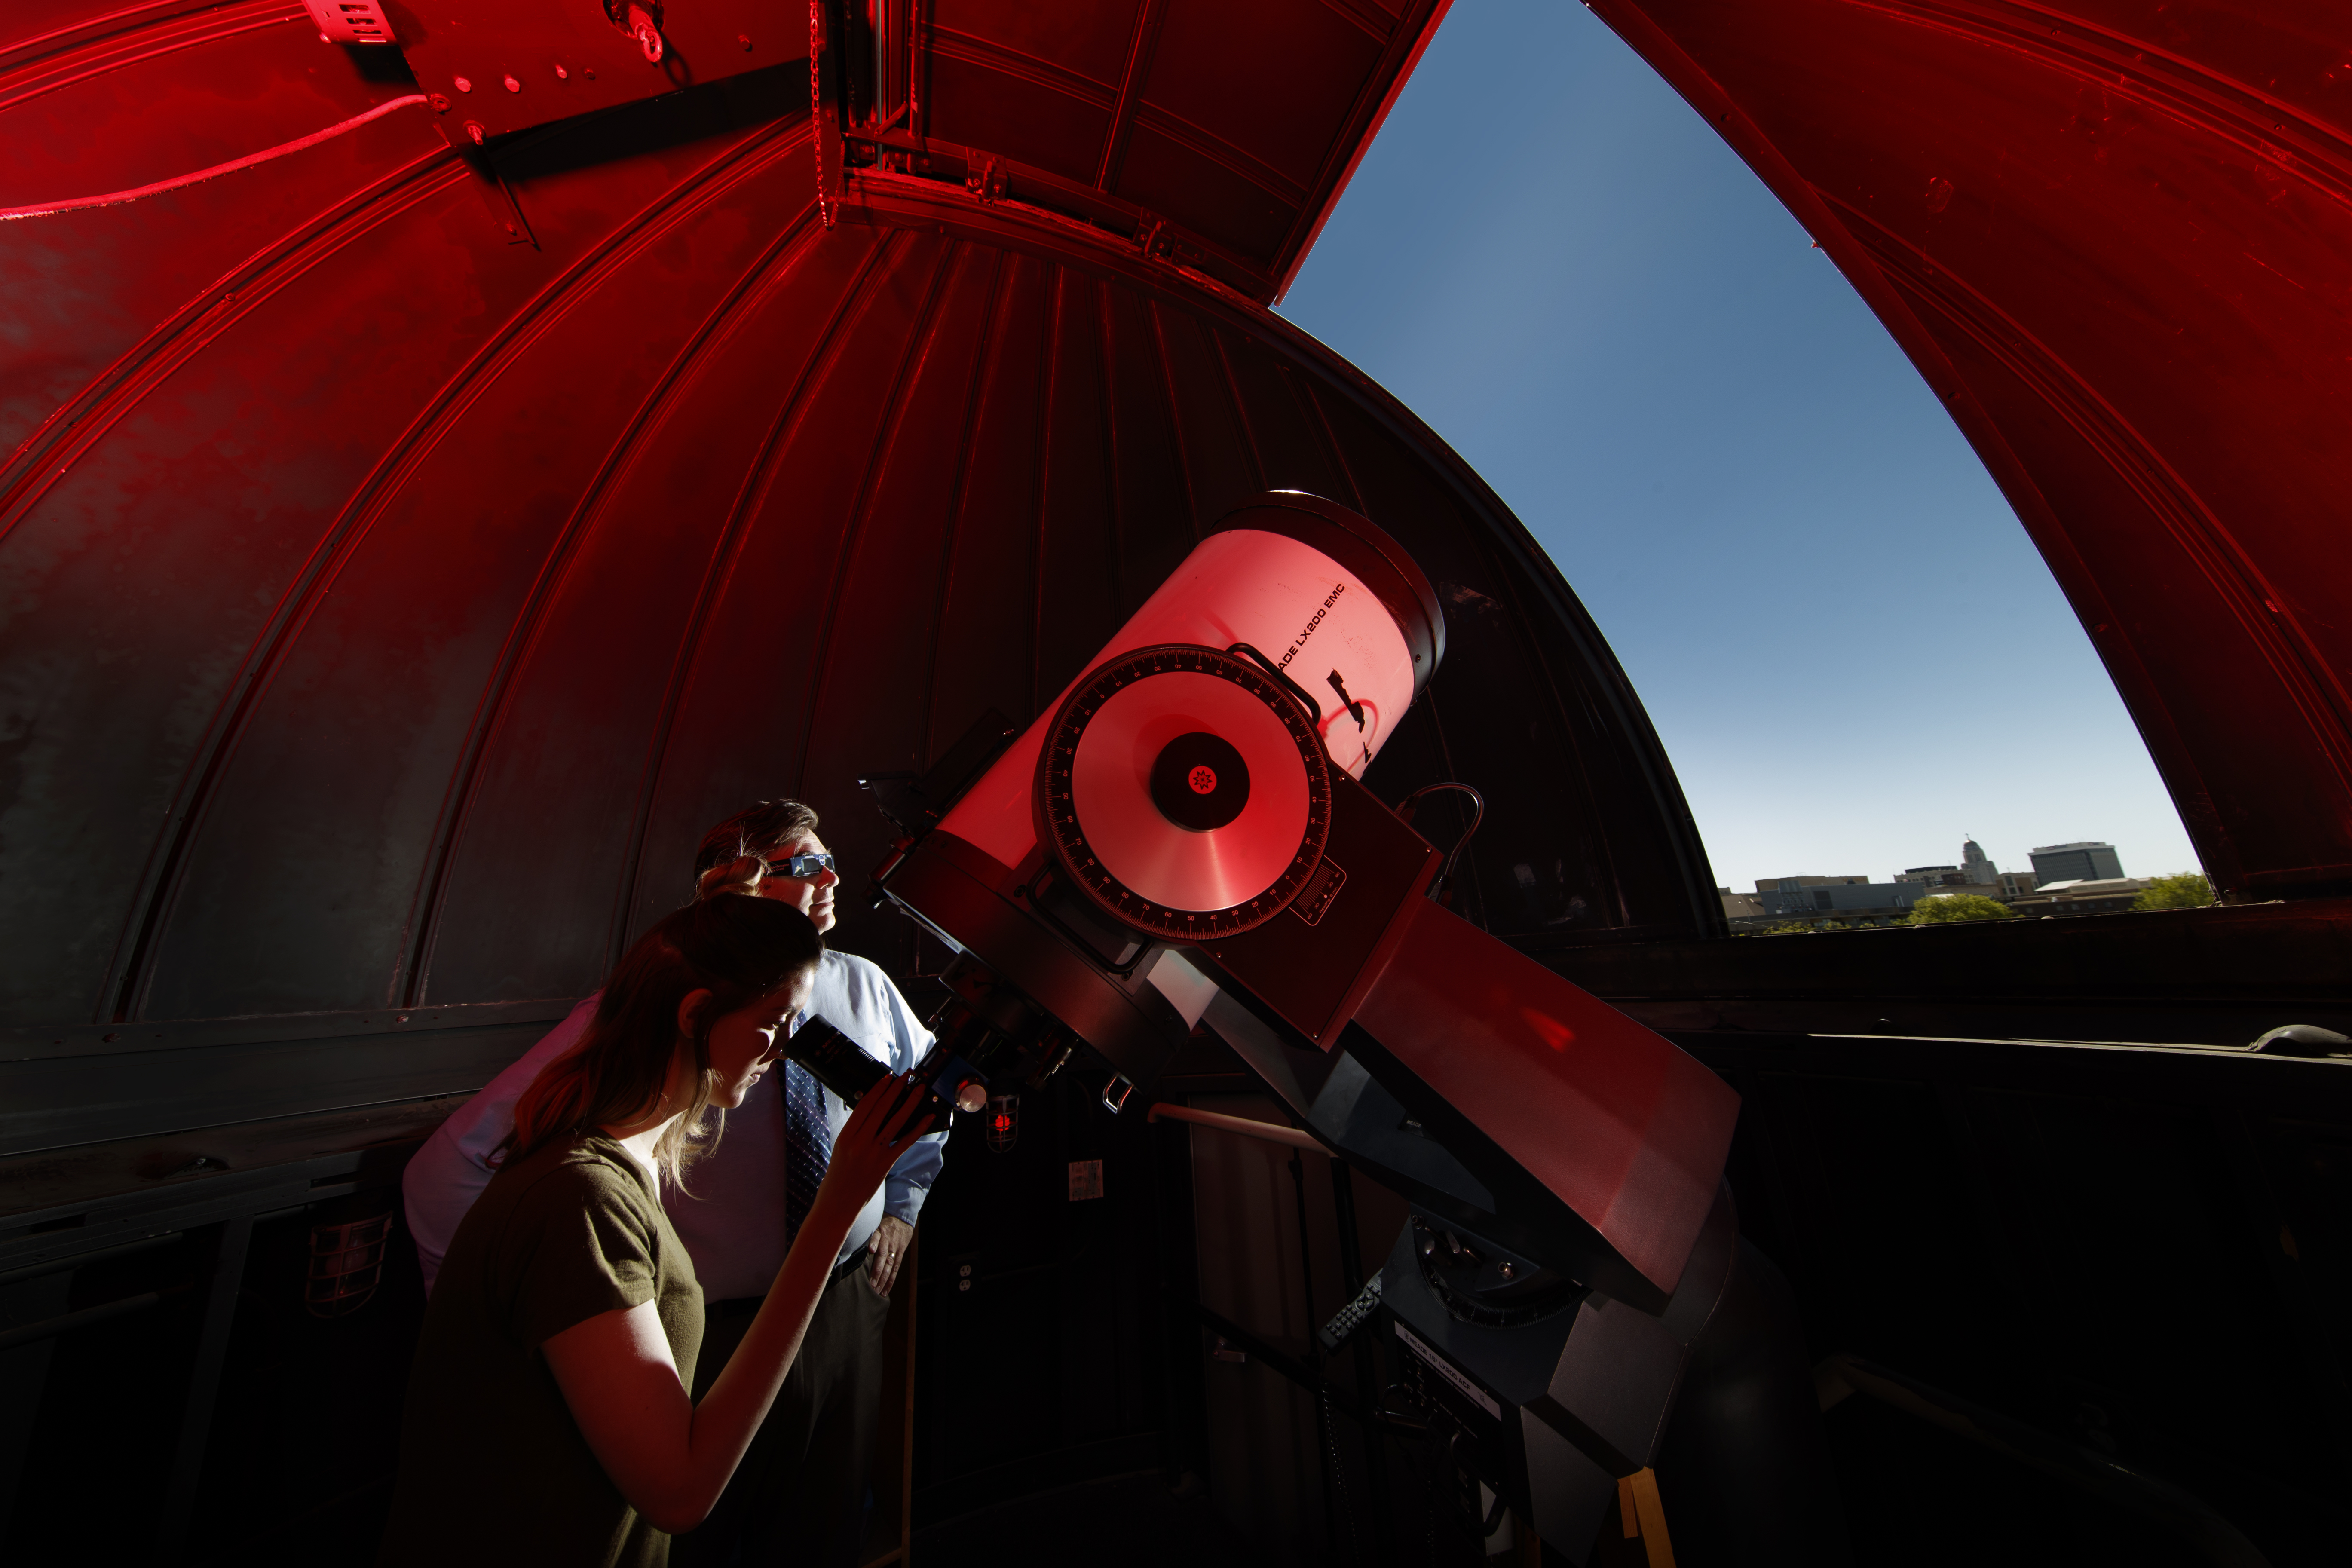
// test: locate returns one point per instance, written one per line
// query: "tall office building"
(2075, 863)
(1973, 871)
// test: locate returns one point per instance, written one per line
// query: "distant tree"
(1944, 907)
(2185, 890)
(1787, 928)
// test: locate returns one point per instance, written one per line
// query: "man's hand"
(886, 1252)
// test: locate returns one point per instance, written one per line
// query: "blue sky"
(1851, 650)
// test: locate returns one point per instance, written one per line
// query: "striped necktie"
(808, 1145)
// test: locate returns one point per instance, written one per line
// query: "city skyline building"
(1847, 900)
(2086, 860)
(2103, 896)
(2088, 873)
(1975, 869)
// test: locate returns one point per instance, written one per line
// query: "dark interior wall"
(1044, 1341)
(175, 1383)
(2145, 1254)
(1298, 1476)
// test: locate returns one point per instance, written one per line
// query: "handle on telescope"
(835, 1060)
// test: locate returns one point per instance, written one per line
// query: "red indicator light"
(1004, 1128)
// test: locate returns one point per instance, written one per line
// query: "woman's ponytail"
(742, 875)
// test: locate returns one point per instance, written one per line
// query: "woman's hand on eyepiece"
(889, 1117)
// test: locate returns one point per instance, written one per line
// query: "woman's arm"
(669, 1457)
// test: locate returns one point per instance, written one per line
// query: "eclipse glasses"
(799, 867)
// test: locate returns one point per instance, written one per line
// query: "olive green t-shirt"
(492, 1467)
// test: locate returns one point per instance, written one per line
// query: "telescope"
(1184, 839)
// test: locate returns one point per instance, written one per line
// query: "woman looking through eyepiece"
(548, 1418)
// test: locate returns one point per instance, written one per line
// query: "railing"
(1273, 1133)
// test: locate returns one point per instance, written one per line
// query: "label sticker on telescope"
(1086, 1180)
(1321, 889)
(1438, 1363)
